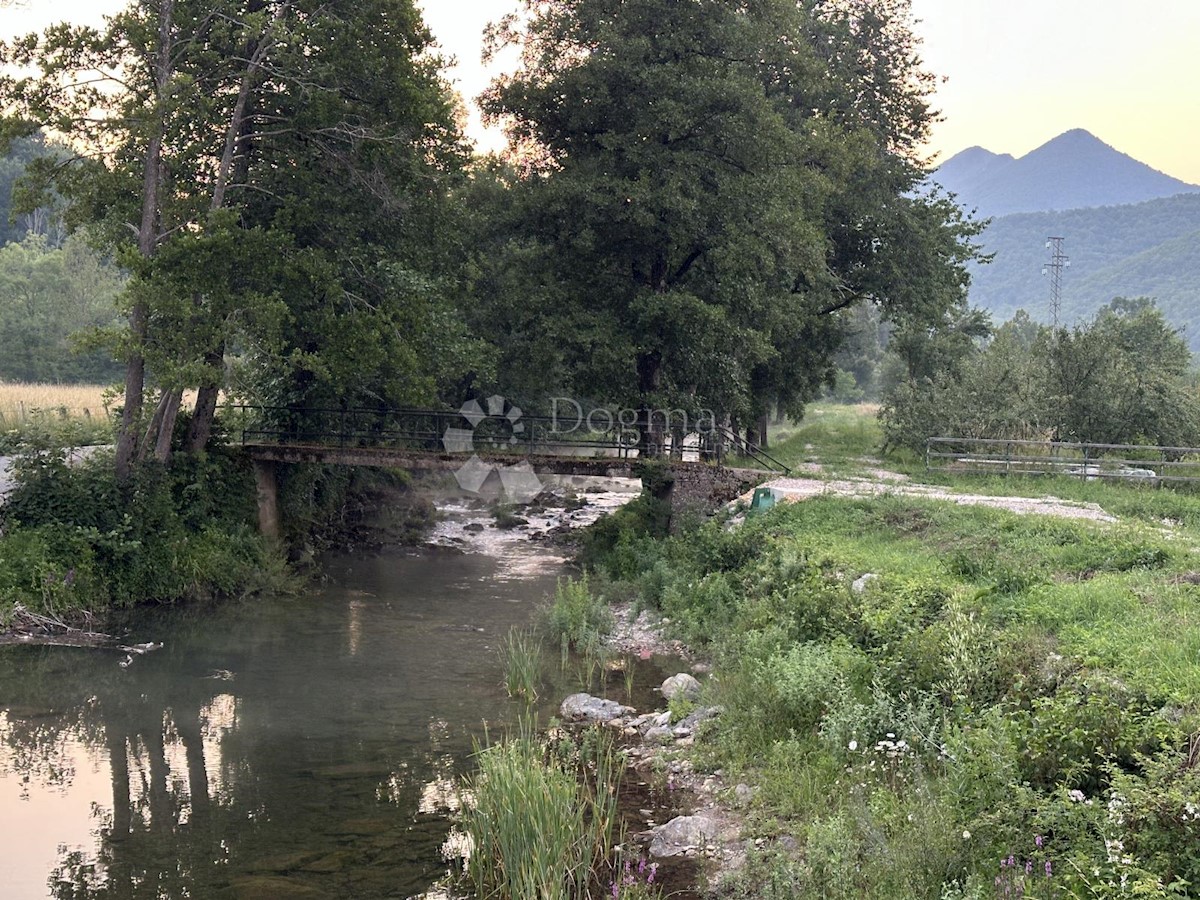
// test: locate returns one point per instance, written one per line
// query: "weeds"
(577, 615)
(541, 815)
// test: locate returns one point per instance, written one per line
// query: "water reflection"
(299, 748)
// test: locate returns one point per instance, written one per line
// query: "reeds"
(522, 655)
(541, 815)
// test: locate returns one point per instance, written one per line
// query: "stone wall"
(696, 491)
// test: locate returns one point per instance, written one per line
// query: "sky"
(1017, 72)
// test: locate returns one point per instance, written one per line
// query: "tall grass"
(541, 816)
(23, 402)
(578, 616)
(522, 653)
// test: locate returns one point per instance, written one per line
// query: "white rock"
(683, 685)
(592, 709)
(860, 584)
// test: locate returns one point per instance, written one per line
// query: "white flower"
(966, 835)
(853, 746)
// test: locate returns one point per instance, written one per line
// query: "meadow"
(940, 701)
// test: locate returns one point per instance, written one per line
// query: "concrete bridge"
(692, 476)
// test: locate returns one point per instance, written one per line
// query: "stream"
(290, 747)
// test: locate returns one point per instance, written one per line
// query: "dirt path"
(793, 490)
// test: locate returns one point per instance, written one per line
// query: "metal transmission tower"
(1054, 268)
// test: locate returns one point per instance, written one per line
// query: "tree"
(47, 296)
(713, 184)
(271, 173)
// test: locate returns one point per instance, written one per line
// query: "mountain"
(1149, 249)
(1074, 171)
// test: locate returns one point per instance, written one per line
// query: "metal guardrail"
(1089, 462)
(449, 431)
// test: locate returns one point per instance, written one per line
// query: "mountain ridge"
(1075, 170)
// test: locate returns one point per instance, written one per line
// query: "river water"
(293, 747)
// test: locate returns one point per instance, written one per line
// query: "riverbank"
(930, 700)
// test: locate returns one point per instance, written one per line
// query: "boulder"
(585, 707)
(659, 734)
(681, 834)
(683, 685)
(860, 584)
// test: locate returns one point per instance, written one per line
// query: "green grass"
(522, 656)
(542, 816)
(1033, 668)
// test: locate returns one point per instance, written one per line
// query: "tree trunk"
(237, 133)
(135, 367)
(200, 429)
(166, 428)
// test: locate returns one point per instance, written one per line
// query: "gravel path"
(797, 489)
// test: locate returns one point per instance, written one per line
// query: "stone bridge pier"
(694, 491)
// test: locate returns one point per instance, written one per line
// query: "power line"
(1054, 268)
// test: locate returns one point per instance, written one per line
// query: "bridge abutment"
(266, 482)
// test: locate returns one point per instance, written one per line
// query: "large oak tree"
(700, 190)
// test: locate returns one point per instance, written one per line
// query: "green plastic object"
(764, 499)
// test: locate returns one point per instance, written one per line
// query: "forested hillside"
(1147, 249)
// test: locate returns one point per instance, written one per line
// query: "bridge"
(501, 441)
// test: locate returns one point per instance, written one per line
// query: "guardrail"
(1089, 462)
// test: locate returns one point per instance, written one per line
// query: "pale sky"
(1019, 72)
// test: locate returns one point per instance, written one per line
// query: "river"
(298, 747)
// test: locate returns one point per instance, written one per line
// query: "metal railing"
(450, 431)
(1086, 461)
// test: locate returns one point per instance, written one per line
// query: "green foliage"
(541, 817)
(47, 296)
(1119, 379)
(522, 656)
(1010, 686)
(685, 227)
(1131, 250)
(74, 539)
(577, 615)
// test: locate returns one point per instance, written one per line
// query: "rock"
(258, 887)
(659, 734)
(860, 584)
(683, 685)
(744, 794)
(682, 834)
(788, 843)
(592, 709)
(697, 716)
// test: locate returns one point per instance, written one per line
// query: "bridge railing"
(1086, 461)
(450, 431)
(425, 430)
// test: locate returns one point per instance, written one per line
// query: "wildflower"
(853, 746)
(1049, 869)
(1076, 796)
(966, 835)
(616, 891)
(1029, 867)
(653, 872)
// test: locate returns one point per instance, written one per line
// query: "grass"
(22, 402)
(522, 655)
(542, 815)
(1010, 686)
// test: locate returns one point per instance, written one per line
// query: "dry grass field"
(22, 403)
